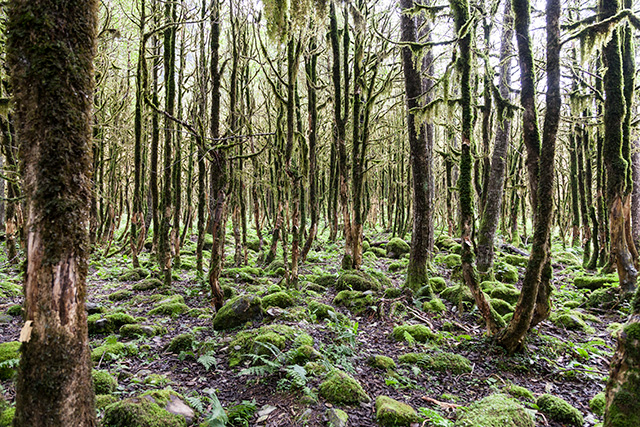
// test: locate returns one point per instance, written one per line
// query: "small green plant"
(216, 416)
(434, 418)
(239, 415)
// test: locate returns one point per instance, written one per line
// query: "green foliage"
(240, 414)
(103, 382)
(598, 403)
(9, 358)
(419, 333)
(559, 410)
(6, 418)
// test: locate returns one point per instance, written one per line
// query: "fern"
(298, 376)
(11, 363)
(195, 402)
(217, 417)
(207, 360)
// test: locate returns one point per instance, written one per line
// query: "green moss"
(134, 275)
(157, 380)
(605, 298)
(341, 388)
(6, 419)
(452, 260)
(419, 333)
(147, 284)
(378, 252)
(103, 382)
(354, 300)
(120, 295)
(303, 339)
(434, 306)
(559, 410)
(381, 362)
(169, 308)
(397, 266)
(505, 273)
(98, 323)
(598, 403)
(519, 392)
(8, 351)
(104, 400)
(113, 351)
(391, 413)
(593, 282)
(571, 320)
(449, 362)
(277, 299)
(505, 292)
(304, 354)
(320, 310)
(245, 342)
(315, 369)
(237, 311)
(516, 260)
(326, 280)
(393, 292)
(15, 310)
(502, 307)
(182, 342)
(397, 247)
(140, 412)
(496, 410)
(444, 241)
(457, 294)
(438, 284)
(456, 249)
(356, 280)
(413, 358)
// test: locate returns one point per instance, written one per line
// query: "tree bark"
(53, 93)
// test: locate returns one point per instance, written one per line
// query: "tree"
(51, 47)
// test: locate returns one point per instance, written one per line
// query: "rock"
(337, 417)
(113, 351)
(452, 260)
(519, 392)
(178, 407)
(434, 306)
(134, 274)
(505, 292)
(449, 362)
(593, 282)
(559, 410)
(516, 260)
(141, 412)
(15, 310)
(501, 306)
(457, 294)
(381, 362)
(304, 354)
(341, 388)
(598, 403)
(438, 284)
(277, 299)
(237, 311)
(93, 308)
(99, 324)
(120, 295)
(326, 280)
(496, 410)
(103, 382)
(605, 298)
(419, 333)
(444, 241)
(320, 310)
(356, 301)
(133, 331)
(391, 413)
(182, 342)
(147, 284)
(397, 247)
(506, 273)
(356, 280)
(413, 358)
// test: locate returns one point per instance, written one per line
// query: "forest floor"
(567, 356)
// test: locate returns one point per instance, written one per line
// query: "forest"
(319, 213)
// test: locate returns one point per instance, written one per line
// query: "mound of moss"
(413, 358)
(452, 260)
(320, 310)
(505, 292)
(140, 412)
(341, 388)
(108, 323)
(277, 299)
(112, 351)
(357, 280)
(496, 410)
(182, 342)
(15, 310)
(134, 274)
(8, 351)
(434, 306)
(147, 284)
(444, 241)
(593, 282)
(6, 418)
(571, 320)
(397, 247)
(598, 403)
(419, 333)
(381, 362)
(238, 311)
(103, 382)
(505, 273)
(457, 293)
(120, 295)
(104, 400)
(356, 301)
(516, 260)
(559, 410)
(448, 362)
(136, 330)
(326, 280)
(172, 306)
(391, 413)
(605, 298)
(519, 392)
(262, 340)
(438, 284)
(501, 306)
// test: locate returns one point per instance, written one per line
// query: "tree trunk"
(54, 387)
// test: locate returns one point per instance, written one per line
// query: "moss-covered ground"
(272, 366)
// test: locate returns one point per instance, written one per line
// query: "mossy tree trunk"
(615, 155)
(202, 169)
(417, 269)
(460, 9)
(51, 46)
(531, 308)
(495, 182)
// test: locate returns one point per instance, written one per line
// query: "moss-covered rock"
(505, 292)
(605, 298)
(397, 266)
(320, 310)
(519, 392)
(434, 306)
(413, 358)
(342, 389)
(496, 410)
(305, 353)
(381, 362)
(598, 403)
(337, 417)
(136, 330)
(140, 412)
(559, 410)
(15, 310)
(104, 400)
(392, 293)
(356, 280)
(172, 306)
(505, 273)
(502, 307)
(452, 260)
(182, 342)
(571, 320)
(438, 284)
(112, 351)
(147, 284)
(103, 382)
(377, 251)
(9, 351)
(6, 418)
(277, 299)
(105, 324)
(356, 301)
(444, 241)
(457, 293)
(593, 282)
(134, 274)
(516, 260)
(326, 280)
(397, 247)
(391, 413)
(120, 295)
(237, 311)
(419, 333)
(448, 362)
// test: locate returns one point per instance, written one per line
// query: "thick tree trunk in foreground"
(535, 285)
(417, 268)
(53, 92)
(495, 183)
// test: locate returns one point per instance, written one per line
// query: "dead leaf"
(25, 333)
